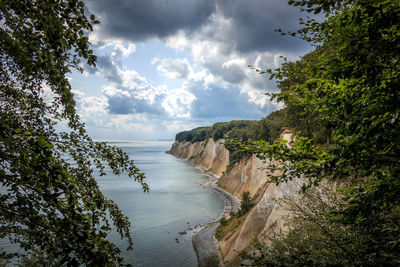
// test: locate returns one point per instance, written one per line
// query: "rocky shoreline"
(204, 242)
(215, 155)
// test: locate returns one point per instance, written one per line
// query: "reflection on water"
(176, 202)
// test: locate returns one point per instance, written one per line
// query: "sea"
(164, 219)
(177, 202)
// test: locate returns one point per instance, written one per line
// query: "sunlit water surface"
(176, 201)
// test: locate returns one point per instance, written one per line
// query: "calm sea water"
(177, 201)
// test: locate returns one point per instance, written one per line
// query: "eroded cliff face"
(266, 217)
(246, 175)
(211, 155)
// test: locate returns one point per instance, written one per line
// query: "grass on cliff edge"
(228, 226)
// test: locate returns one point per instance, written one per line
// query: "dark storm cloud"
(124, 102)
(217, 102)
(233, 73)
(107, 67)
(254, 23)
(139, 20)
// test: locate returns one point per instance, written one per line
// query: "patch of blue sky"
(141, 62)
(90, 84)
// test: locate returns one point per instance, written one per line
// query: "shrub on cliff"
(223, 221)
(210, 261)
(246, 204)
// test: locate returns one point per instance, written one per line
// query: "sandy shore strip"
(203, 237)
(231, 202)
(204, 242)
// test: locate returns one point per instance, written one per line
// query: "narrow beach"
(204, 242)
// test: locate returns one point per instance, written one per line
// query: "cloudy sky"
(170, 65)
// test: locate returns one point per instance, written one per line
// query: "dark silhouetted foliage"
(234, 129)
(50, 202)
(347, 99)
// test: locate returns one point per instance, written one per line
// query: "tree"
(298, 116)
(353, 89)
(260, 131)
(246, 203)
(50, 203)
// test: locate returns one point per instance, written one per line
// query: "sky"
(165, 66)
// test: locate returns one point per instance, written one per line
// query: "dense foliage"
(195, 135)
(298, 116)
(267, 129)
(347, 96)
(50, 203)
(234, 129)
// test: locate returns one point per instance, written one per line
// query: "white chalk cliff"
(249, 174)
